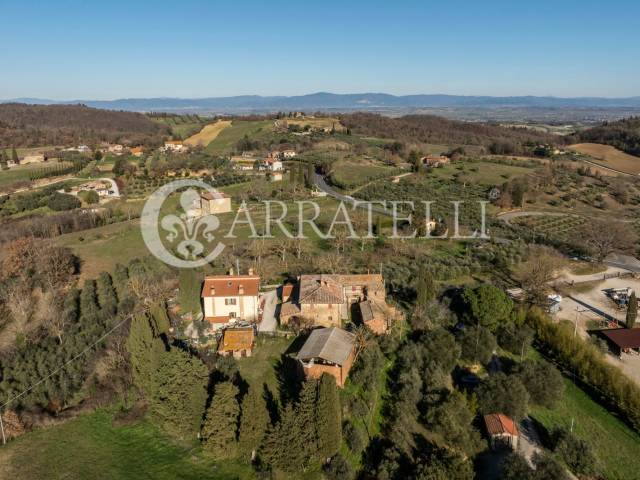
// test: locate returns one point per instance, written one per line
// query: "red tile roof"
(500, 424)
(319, 289)
(231, 286)
(218, 319)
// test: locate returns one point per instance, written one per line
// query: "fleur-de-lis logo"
(189, 227)
(189, 232)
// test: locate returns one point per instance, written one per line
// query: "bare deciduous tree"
(540, 268)
(600, 237)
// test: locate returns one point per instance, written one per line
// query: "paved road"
(114, 186)
(322, 185)
(269, 322)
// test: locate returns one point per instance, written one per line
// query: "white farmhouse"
(273, 165)
(175, 146)
(230, 298)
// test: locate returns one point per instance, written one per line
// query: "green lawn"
(259, 369)
(478, 172)
(227, 139)
(615, 444)
(349, 174)
(91, 446)
(100, 249)
(19, 173)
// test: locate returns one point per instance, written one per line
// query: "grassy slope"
(615, 444)
(20, 173)
(208, 133)
(609, 156)
(227, 139)
(92, 447)
(99, 249)
(485, 173)
(352, 173)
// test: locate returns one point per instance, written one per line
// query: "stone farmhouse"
(325, 300)
(327, 350)
(435, 161)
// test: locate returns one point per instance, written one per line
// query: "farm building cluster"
(235, 310)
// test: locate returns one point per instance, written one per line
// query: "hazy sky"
(107, 49)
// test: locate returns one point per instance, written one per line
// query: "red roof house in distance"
(230, 298)
(502, 431)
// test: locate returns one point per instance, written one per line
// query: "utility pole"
(4, 440)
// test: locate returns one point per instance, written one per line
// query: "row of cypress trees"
(233, 426)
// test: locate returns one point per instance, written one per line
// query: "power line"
(64, 364)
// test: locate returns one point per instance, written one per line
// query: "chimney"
(231, 271)
(213, 290)
(250, 271)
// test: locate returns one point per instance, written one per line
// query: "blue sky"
(114, 49)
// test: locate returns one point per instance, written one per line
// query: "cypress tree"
(282, 447)
(306, 420)
(254, 422)
(301, 175)
(106, 294)
(88, 304)
(121, 281)
(14, 156)
(632, 310)
(328, 417)
(145, 352)
(378, 226)
(425, 289)
(160, 319)
(310, 174)
(220, 426)
(180, 395)
(70, 308)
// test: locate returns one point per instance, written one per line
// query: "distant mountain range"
(342, 102)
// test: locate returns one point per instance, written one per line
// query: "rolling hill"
(623, 135)
(23, 125)
(342, 102)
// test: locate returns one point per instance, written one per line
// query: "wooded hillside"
(24, 125)
(438, 130)
(623, 134)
